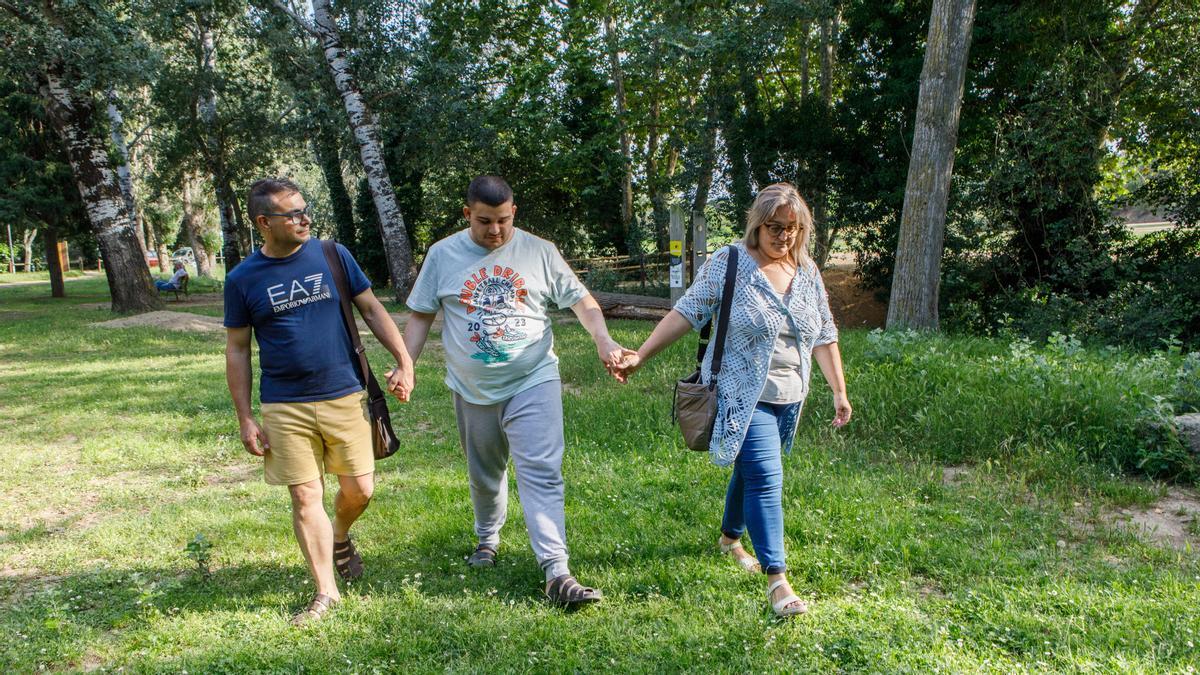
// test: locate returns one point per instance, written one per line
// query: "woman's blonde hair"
(768, 201)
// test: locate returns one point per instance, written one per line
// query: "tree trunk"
(192, 221)
(916, 280)
(823, 234)
(53, 264)
(27, 241)
(124, 261)
(708, 158)
(391, 223)
(614, 59)
(124, 175)
(214, 151)
(329, 157)
(806, 31)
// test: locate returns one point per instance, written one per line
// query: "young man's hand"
(627, 363)
(401, 381)
(254, 437)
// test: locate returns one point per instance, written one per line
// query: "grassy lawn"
(957, 524)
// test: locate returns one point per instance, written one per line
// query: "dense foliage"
(1071, 110)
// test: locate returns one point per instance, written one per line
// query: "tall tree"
(915, 284)
(73, 116)
(391, 222)
(213, 148)
(614, 59)
(71, 81)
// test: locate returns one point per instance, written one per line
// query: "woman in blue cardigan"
(778, 323)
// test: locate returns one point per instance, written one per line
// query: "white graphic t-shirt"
(496, 330)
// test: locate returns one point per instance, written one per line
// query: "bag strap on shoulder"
(338, 270)
(722, 318)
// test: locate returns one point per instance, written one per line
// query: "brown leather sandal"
(317, 608)
(566, 591)
(484, 556)
(346, 560)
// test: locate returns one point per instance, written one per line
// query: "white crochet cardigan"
(755, 319)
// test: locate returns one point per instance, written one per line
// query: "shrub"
(974, 399)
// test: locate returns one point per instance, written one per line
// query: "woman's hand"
(841, 409)
(625, 363)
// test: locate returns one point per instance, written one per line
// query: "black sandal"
(566, 591)
(484, 556)
(346, 560)
(317, 607)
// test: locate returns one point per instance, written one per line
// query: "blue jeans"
(164, 285)
(754, 500)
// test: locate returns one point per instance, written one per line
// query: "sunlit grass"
(121, 446)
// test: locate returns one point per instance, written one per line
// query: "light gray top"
(494, 304)
(785, 383)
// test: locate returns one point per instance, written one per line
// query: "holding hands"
(622, 363)
(400, 382)
(614, 357)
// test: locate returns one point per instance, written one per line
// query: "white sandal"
(780, 607)
(749, 564)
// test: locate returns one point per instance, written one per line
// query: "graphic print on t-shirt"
(492, 300)
(299, 292)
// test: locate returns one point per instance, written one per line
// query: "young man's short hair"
(491, 190)
(259, 201)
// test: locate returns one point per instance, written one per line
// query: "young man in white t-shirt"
(494, 284)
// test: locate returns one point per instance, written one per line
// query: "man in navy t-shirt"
(314, 417)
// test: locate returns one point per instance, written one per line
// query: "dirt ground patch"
(1170, 521)
(180, 321)
(852, 305)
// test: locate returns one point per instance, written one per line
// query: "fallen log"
(629, 306)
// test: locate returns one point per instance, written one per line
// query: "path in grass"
(121, 448)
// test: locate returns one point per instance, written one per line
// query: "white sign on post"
(676, 233)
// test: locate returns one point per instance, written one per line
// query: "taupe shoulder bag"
(383, 439)
(695, 404)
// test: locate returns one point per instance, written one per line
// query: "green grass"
(7, 278)
(121, 447)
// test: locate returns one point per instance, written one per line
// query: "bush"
(601, 278)
(962, 399)
(1148, 296)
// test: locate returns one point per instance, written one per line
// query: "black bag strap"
(722, 319)
(329, 248)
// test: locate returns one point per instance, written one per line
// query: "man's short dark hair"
(259, 199)
(491, 190)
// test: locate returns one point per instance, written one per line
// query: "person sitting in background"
(176, 279)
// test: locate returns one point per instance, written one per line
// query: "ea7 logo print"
(300, 292)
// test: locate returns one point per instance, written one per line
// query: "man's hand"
(611, 354)
(627, 363)
(254, 437)
(401, 381)
(842, 410)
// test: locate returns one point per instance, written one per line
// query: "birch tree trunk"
(27, 240)
(124, 175)
(124, 262)
(614, 59)
(916, 280)
(391, 223)
(214, 150)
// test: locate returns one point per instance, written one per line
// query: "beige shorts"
(305, 438)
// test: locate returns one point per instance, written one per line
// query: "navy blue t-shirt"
(292, 305)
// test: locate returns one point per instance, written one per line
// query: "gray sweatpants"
(530, 427)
